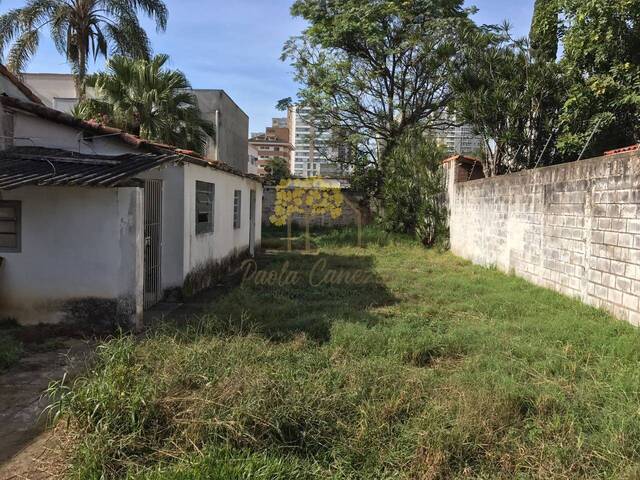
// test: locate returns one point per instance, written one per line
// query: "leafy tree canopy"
(373, 70)
(510, 98)
(601, 41)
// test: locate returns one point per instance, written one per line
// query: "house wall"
(80, 259)
(233, 128)
(574, 228)
(55, 90)
(204, 251)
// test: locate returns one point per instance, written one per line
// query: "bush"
(10, 351)
(414, 189)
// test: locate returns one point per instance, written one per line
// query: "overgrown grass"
(433, 369)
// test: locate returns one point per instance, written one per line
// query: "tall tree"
(507, 97)
(80, 29)
(545, 30)
(147, 99)
(601, 40)
(376, 69)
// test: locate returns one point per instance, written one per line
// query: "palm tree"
(79, 29)
(147, 99)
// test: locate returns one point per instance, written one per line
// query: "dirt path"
(23, 442)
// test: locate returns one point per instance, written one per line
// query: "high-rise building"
(313, 153)
(280, 122)
(457, 140)
(271, 145)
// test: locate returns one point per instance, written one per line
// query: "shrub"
(414, 199)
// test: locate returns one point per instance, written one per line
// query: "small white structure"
(97, 224)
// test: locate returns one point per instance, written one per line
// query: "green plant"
(414, 195)
(435, 368)
(79, 29)
(146, 98)
(372, 71)
(10, 350)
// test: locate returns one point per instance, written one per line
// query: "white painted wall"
(225, 240)
(53, 87)
(81, 214)
(76, 243)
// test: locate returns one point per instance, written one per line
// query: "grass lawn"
(430, 368)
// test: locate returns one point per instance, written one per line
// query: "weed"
(434, 369)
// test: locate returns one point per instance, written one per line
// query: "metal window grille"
(205, 203)
(10, 226)
(152, 242)
(237, 208)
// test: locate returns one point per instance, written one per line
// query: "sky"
(236, 45)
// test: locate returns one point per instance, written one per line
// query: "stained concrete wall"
(349, 217)
(574, 228)
(225, 240)
(232, 128)
(80, 249)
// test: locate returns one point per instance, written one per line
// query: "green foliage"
(511, 99)
(370, 71)
(10, 349)
(284, 104)
(601, 44)
(79, 29)
(277, 169)
(544, 30)
(435, 369)
(414, 189)
(146, 98)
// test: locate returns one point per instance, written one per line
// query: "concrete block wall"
(574, 228)
(349, 217)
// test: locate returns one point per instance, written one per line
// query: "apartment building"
(458, 140)
(272, 144)
(313, 154)
(280, 122)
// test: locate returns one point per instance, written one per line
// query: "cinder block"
(630, 301)
(610, 238)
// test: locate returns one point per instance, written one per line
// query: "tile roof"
(22, 166)
(98, 129)
(632, 148)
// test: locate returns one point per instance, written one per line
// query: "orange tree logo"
(306, 198)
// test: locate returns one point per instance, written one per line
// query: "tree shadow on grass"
(286, 294)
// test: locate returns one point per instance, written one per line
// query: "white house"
(97, 224)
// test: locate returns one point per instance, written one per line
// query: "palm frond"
(22, 50)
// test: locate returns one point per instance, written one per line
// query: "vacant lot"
(428, 368)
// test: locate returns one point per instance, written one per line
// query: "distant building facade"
(280, 122)
(271, 145)
(458, 140)
(313, 155)
(253, 160)
(232, 123)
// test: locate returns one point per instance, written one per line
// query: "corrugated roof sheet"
(22, 166)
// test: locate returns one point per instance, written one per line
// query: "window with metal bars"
(237, 208)
(10, 228)
(205, 202)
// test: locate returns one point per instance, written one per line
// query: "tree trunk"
(81, 74)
